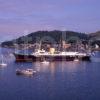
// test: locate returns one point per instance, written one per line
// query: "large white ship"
(40, 55)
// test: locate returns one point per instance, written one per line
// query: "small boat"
(45, 62)
(2, 64)
(76, 60)
(25, 72)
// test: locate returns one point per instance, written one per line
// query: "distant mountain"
(95, 35)
(95, 38)
(52, 36)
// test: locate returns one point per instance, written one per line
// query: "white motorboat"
(76, 60)
(25, 72)
(45, 62)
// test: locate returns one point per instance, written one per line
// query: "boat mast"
(2, 59)
(40, 45)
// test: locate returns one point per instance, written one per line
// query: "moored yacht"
(39, 55)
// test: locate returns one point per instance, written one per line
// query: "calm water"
(56, 81)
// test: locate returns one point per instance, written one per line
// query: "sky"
(18, 17)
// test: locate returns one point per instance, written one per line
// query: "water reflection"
(53, 67)
(55, 81)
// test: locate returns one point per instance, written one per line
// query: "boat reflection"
(54, 67)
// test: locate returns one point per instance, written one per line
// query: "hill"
(47, 36)
(95, 38)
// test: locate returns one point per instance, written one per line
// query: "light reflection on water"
(55, 81)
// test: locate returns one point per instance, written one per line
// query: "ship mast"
(40, 45)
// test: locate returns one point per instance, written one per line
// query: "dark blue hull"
(32, 58)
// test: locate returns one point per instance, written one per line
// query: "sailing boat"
(2, 64)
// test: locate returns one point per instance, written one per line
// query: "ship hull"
(33, 58)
